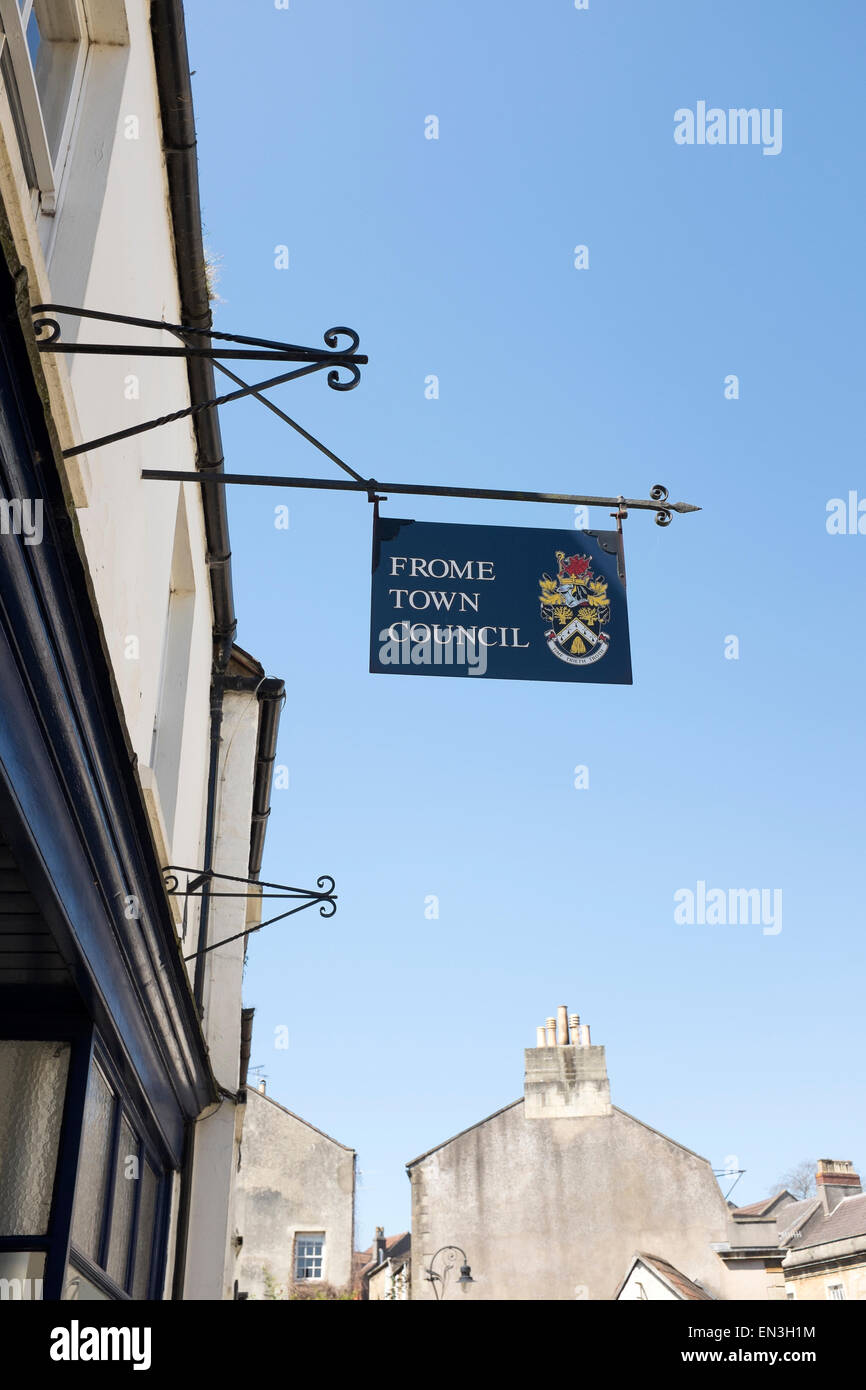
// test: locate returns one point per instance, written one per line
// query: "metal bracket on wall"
(336, 360)
(49, 339)
(658, 500)
(204, 878)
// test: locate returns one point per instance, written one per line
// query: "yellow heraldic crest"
(576, 607)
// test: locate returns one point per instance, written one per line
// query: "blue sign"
(511, 603)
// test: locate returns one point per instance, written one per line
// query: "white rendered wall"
(211, 1254)
(644, 1284)
(110, 247)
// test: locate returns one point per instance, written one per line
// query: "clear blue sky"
(455, 257)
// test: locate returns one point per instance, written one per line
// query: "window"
(117, 1199)
(44, 49)
(836, 1291)
(309, 1250)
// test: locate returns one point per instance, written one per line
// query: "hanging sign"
(512, 603)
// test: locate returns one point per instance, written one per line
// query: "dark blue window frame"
(87, 1049)
(147, 1152)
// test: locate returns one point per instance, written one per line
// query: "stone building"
(822, 1239)
(384, 1271)
(552, 1196)
(296, 1203)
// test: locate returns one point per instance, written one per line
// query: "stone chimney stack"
(566, 1076)
(836, 1179)
(379, 1245)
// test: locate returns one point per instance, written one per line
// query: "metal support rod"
(195, 409)
(260, 349)
(281, 414)
(336, 359)
(206, 345)
(202, 879)
(269, 923)
(216, 719)
(657, 502)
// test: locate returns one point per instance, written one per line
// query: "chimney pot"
(568, 1081)
(574, 1029)
(562, 1025)
(262, 1086)
(540, 1036)
(379, 1245)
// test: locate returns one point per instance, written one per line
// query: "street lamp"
(439, 1280)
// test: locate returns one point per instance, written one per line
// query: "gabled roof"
(767, 1205)
(679, 1284)
(793, 1219)
(262, 1095)
(514, 1103)
(845, 1222)
(396, 1248)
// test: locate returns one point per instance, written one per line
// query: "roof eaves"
(659, 1267)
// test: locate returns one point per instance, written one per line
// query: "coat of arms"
(576, 607)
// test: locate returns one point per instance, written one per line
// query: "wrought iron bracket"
(332, 358)
(335, 360)
(658, 500)
(201, 881)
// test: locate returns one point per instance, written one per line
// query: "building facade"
(821, 1239)
(296, 1205)
(385, 1270)
(551, 1196)
(136, 737)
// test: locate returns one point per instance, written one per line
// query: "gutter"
(171, 60)
(272, 697)
(246, 1045)
(216, 722)
(271, 693)
(179, 143)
